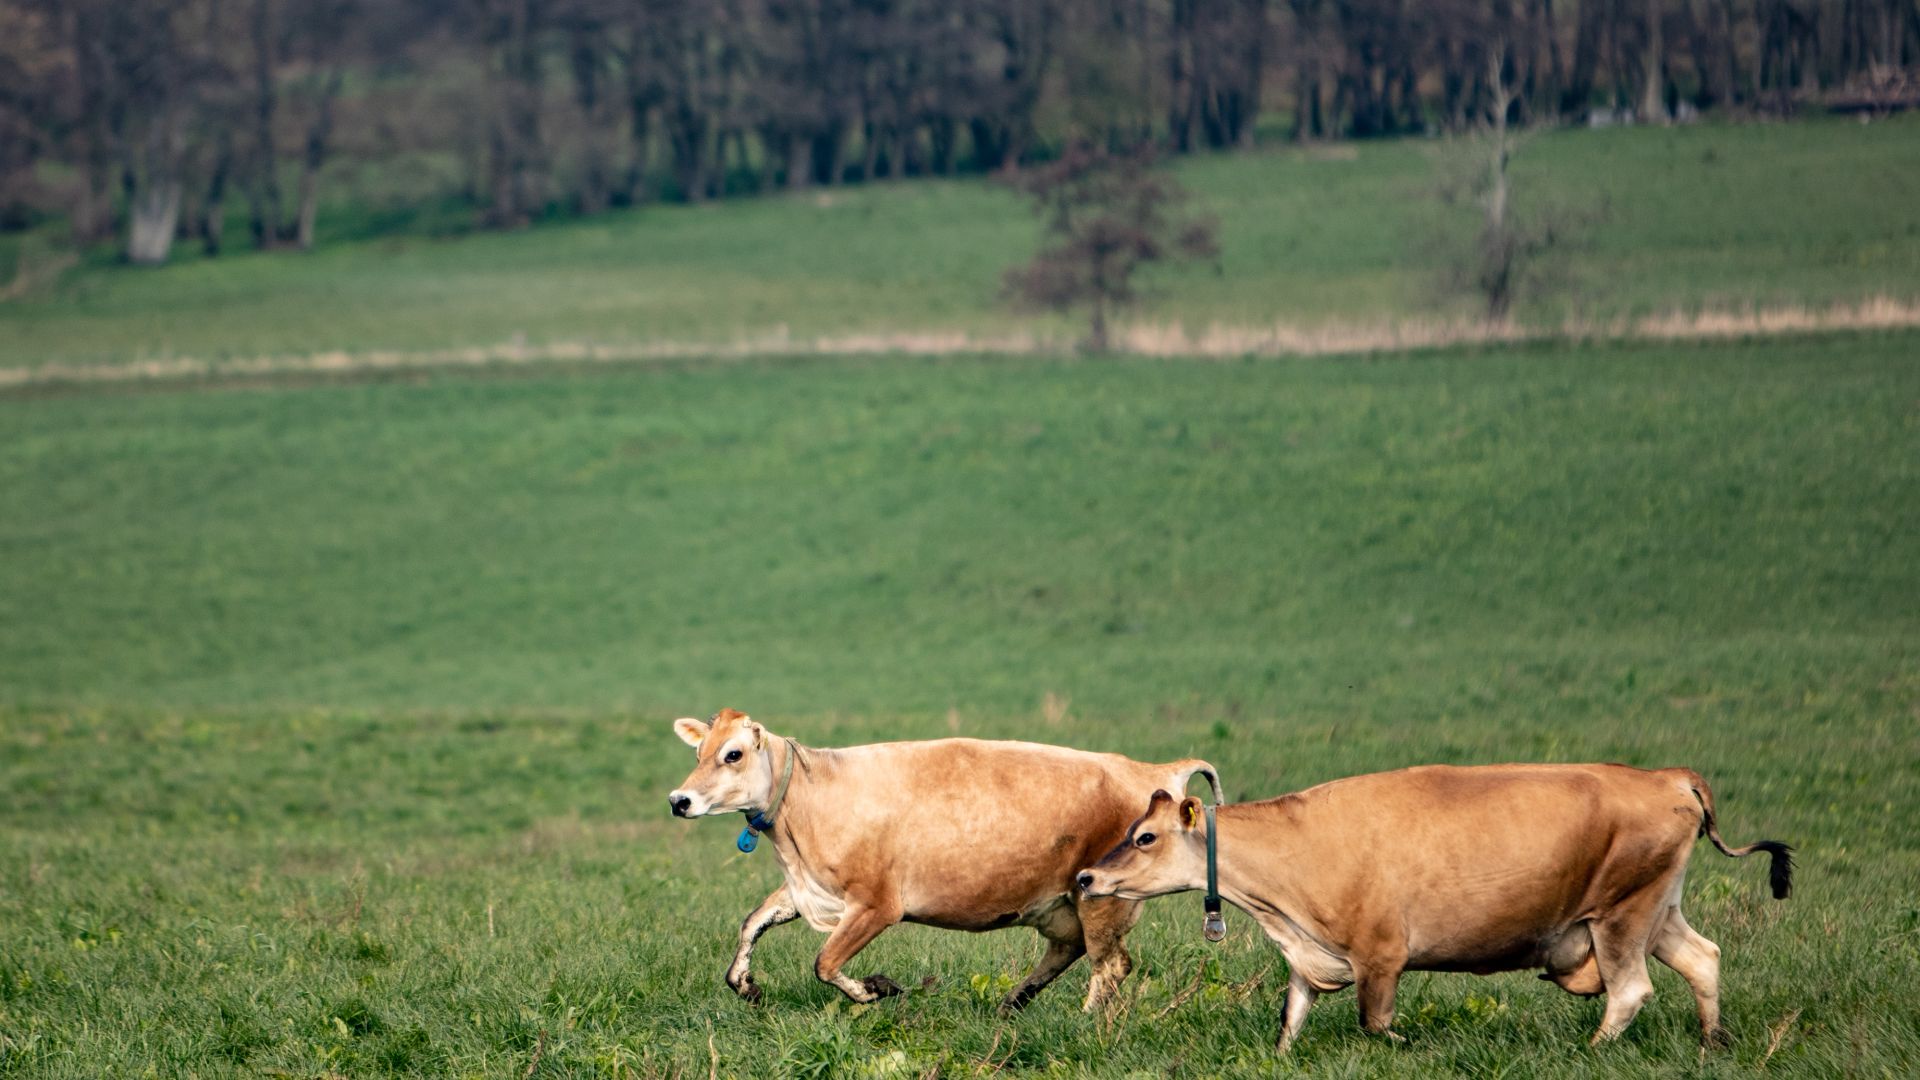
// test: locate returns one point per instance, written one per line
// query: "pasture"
(336, 739)
(1705, 216)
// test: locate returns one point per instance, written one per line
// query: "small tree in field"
(1106, 215)
(1508, 256)
(1504, 247)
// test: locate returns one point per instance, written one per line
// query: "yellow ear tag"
(1193, 815)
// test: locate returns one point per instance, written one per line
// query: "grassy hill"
(1709, 215)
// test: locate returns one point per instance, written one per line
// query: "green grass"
(305, 684)
(1806, 213)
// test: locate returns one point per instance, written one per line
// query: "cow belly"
(1044, 914)
(1484, 950)
(1003, 880)
(1564, 949)
(956, 910)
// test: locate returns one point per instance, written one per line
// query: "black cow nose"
(680, 803)
(1085, 880)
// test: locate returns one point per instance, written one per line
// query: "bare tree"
(1500, 244)
(33, 66)
(1215, 58)
(512, 31)
(1502, 254)
(1106, 215)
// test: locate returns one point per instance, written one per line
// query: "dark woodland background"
(147, 122)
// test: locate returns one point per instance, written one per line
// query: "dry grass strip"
(1142, 339)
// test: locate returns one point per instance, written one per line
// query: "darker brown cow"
(955, 833)
(1576, 869)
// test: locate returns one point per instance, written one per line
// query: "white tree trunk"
(309, 210)
(1653, 100)
(153, 218)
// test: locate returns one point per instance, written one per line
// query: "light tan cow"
(956, 833)
(1576, 869)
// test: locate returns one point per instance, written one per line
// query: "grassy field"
(1714, 216)
(335, 732)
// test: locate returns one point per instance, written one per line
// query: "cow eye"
(1145, 839)
(733, 756)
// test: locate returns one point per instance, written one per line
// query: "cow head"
(735, 769)
(1164, 852)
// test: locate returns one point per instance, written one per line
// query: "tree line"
(152, 121)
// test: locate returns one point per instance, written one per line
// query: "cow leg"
(1105, 921)
(1293, 1014)
(1065, 939)
(1620, 948)
(775, 909)
(1697, 960)
(1376, 982)
(858, 927)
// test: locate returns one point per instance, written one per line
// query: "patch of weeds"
(988, 989)
(84, 934)
(1473, 1011)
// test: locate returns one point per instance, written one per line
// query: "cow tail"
(1779, 875)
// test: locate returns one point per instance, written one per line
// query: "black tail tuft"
(1780, 874)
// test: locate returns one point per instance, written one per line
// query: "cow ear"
(759, 735)
(691, 731)
(1190, 811)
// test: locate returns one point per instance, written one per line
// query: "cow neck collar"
(762, 821)
(1212, 925)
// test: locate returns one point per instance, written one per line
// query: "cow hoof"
(748, 990)
(880, 986)
(1717, 1039)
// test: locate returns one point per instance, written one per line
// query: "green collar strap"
(763, 821)
(1213, 925)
